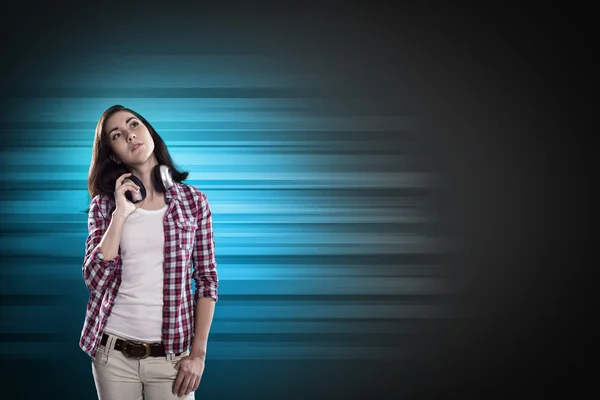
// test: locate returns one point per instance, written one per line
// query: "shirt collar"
(174, 193)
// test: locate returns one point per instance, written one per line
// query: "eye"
(134, 124)
(116, 135)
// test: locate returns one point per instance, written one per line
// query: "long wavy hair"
(104, 171)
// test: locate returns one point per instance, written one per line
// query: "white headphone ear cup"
(163, 177)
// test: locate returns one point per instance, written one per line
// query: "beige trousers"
(118, 377)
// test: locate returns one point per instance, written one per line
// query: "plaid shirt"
(189, 254)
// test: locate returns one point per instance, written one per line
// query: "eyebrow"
(126, 122)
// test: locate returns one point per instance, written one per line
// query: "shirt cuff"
(103, 262)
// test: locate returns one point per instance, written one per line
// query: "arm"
(205, 309)
(103, 238)
(205, 277)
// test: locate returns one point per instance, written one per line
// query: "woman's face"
(129, 138)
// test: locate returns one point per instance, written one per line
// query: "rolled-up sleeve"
(203, 256)
(97, 272)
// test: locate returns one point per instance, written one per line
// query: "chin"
(140, 157)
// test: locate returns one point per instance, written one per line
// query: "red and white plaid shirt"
(189, 254)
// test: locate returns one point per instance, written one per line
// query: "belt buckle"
(128, 342)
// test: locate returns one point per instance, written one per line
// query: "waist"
(134, 349)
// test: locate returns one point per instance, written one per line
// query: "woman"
(145, 329)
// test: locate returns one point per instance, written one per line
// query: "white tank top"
(138, 309)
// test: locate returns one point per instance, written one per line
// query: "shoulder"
(102, 204)
(193, 197)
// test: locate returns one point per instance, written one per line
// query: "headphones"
(161, 177)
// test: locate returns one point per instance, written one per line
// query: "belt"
(137, 350)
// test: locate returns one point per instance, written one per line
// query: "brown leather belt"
(137, 350)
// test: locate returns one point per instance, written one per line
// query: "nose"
(130, 136)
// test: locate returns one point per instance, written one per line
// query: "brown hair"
(104, 172)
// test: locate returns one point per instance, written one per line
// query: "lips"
(137, 146)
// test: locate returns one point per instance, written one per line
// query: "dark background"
(501, 94)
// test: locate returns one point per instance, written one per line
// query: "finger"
(192, 386)
(195, 385)
(121, 179)
(121, 194)
(128, 182)
(178, 382)
(185, 386)
(127, 186)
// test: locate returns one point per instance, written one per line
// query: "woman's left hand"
(188, 378)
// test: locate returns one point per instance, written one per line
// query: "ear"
(115, 159)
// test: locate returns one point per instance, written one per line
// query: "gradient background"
(385, 185)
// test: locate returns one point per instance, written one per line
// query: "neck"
(144, 173)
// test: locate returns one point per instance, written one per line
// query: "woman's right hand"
(124, 206)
